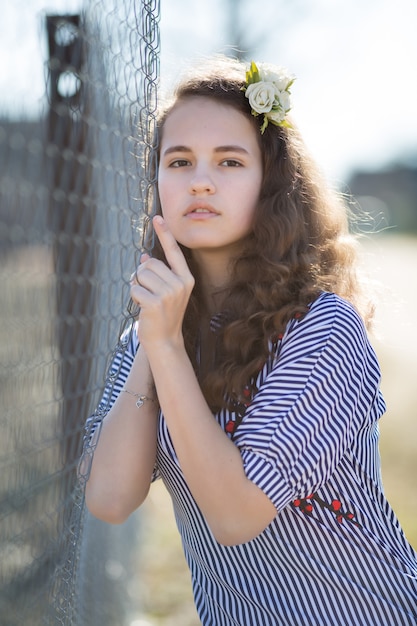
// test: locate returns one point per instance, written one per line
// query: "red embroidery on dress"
(306, 506)
(230, 426)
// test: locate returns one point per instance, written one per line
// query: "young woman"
(250, 386)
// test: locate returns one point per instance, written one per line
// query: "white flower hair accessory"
(268, 91)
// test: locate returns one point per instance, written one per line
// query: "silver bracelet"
(140, 397)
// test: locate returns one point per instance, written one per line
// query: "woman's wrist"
(141, 398)
(140, 379)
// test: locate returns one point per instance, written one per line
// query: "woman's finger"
(133, 280)
(172, 251)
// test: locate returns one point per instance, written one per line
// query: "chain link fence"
(75, 197)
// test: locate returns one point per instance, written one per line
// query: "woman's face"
(210, 174)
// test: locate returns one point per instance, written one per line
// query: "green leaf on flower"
(252, 75)
(264, 125)
(283, 124)
(290, 84)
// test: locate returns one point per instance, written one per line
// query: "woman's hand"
(162, 291)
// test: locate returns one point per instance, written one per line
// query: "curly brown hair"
(300, 246)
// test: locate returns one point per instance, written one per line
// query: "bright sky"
(356, 90)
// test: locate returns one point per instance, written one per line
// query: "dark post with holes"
(71, 219)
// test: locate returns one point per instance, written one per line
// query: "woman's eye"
(231, 163)
(179, 163)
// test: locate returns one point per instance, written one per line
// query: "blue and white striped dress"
(335, 554)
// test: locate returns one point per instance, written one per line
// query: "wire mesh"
(75, 203)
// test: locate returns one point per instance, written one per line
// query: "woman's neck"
(214, 274)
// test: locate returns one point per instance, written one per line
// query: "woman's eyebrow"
(176, 149)
(231, 148)
(227, 148)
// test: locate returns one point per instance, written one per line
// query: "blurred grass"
(393, 260)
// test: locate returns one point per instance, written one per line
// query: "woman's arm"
(124, 458)
(234, 507)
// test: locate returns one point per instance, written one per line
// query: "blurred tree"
(388, 196)
(235, 29)
(241, 31)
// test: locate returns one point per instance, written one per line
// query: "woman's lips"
(198, 211)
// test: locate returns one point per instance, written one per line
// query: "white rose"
(276, 75)
(284, 100)
(281, 107)
(277, 116)
(261, 96)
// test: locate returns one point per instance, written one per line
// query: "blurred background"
(67, 249)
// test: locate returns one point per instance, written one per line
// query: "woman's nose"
(202, 182)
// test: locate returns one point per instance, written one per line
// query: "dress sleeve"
(120, 364)
(322, 389)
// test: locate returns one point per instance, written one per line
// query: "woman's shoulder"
(330, 313)
(333, 304)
